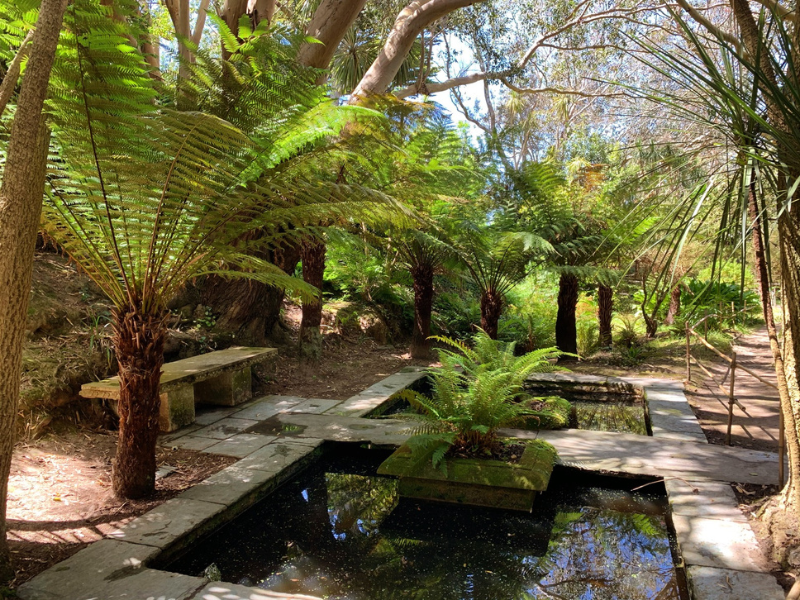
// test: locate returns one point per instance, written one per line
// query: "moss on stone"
(554, 414)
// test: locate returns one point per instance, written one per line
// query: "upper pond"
(339, 531)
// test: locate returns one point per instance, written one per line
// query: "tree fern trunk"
(20, 207)
(313, 256)
(674, 305)
(605, 310)
(249, 309)
(491, 309)
(139, 346)
(423, 303)
(566, 329)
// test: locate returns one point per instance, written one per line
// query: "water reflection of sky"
(346, 536)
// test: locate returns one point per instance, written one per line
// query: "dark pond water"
(607, 412)
(595, 411)
(338, 531)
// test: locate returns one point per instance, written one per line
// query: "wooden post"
(688, 354)
(733, 314)
(731, 399)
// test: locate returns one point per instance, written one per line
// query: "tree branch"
(12, 74)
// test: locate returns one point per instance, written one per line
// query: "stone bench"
(223, 377)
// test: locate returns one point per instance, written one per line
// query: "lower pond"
(339, 531)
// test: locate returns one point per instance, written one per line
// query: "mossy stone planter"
(475, 482)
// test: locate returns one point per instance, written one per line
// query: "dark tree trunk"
(605, 310)
(491, 309)
(139, 345)
(674, 305)
(423, 303)
(566, 329)
(312, 254)
(650, 325)
(248, 308)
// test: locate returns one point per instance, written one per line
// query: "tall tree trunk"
(139, 347)
(787, 367)
(789, 233)
(248, 308)
(491, 309)
(674, 305)
(762, 280)
(313, 256)
(410, 22)
(20, 208)
(423, 304)
(330, 23)
(605, 310)
(566, 329)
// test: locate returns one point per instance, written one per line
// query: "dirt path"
(758, 429)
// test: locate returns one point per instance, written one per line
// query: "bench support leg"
(177, 409)
(228, 389)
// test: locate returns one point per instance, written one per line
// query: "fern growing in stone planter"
(457, 455)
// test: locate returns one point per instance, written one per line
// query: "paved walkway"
(758, 429)
(276, 436)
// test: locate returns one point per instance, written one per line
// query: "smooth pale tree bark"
(180, 14)
(330, 23)
(605, 311)
(12, 73)
(21, 195)
(566, 328)
(411, 21)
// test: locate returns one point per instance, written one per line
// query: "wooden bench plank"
(188, 370)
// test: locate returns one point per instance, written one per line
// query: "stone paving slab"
(240, 445)
(708, 499)
(275, 457)
(224, 428)
(165, 439)
(680, 436)
(228, 486)
(165, 524)
(107, 570)
(643, 455)
(708, 583)
(371, 398)
(351, 429)
(719, 544)
(231, 591)
(190, 442)
(316, 406)
(268, 406)
(209, 417)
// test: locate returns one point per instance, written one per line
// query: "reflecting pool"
(338, 531)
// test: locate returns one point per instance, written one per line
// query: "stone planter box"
(474, 482)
